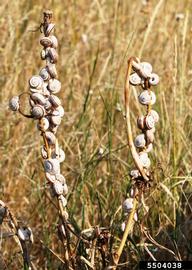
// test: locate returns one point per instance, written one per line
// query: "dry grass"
(96, 37)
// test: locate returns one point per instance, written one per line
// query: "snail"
(144, 159)
(37, 111)
(147, 68)
(35, 82)
(155, 115)
(127, 205)
(59, 111)
(52, 166)
(14, 103)
(52, 55)
(154, 79)
(149, 135)
(49, 29)
(149, 122)
(54, 86)
(54, 41)
(38, 98)
(60, 155)
(25, 234)
(46, 42)
(134, 79)
(43, 124)
(63, 200)
(52, 70)
(147, 97)
(140, 141)
(44, 74)
(135, 174)
(51, 139)
(55, 120)
(58, 187)
(55, 101)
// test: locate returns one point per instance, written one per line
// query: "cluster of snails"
(145, 78)
(46, 108)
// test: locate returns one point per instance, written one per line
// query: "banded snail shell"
(147, 97)
(50, 29)
(52, 166)
(134, 79)
(52, 70)
(44, 74)
(38, 98)
(46, 42)
(47, 105)
(144, 159)
(60, 178)
(54, 41)
(54, 86)
(149, 134)
(43, 54)
(31, 102)
(63, 201)
(25, 234)
(58, 187)
(147, 68)
(37, 112)
(60, 155)
(154, 79)
(149, 122)
(59, 111)
(14, 103)
(36, 82)
(56, 120)
(43, 124)
(55, 101)
(53, 55)
(155, 115)
(140, 141)
(51, 139)
(50, 177)
(127, 205)
(135, 174)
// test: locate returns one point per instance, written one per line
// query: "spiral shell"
(149, 148)
(14, 103)
(149, 122)
(60, 178)
(140, 141)
(144, 159)
(54, 86)
(25, 234)
(52, 166)
(46, 42)
(54, 41)
(59, 111)
(44, 74)
(44, 152)
(51, 139)
(37, 112)
(141, 122)
(60, 155)
(63, 201)
(50, 177)
(36, 82)
(43, 54)
(65, 189)
(134, 79)
(147, 68)
(47, 105)
(55, 101)
(147, 98)
(52, 70)
(50, 29)
(53, 55)
(149, 134)
(127, 205)
(135, 174)
(43, 124)
(58, 187)
(56, 120)
(38, 98)
(154, 79)
(155, 115)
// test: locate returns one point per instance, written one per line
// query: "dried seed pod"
(43, 124)
(52, 55)
(51, 139)
(140, 141)
(55, 101)
(63, 201)
(147, 68)
(38, 98)
(155, 115)
(134, 79)
(37, 112)
(127, 205)
(144, 159)
(154, 79)
(58, 187)
(54, 86)
(149, 122)
(14, 103)
(141, 122)
(149, 135)
(44, 74)
(46, 42)
(49, 29)
(36, 82)
(52, 166)
(54, 41)
(56, 120)
(147, 97)
(52, 70)
(135, 174)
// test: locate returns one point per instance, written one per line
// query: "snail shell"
(147, 68)
(134, 79)
(53, 128)
(43, 54)
(65, 189)
(127, 205)
(55, 101)
(144, 159)
(140, 141)
(155, 115)
(53, 55)
(154, 79)
(52, 166)
(31, 102)
(36, 82)
(54, 86)
(147, 98)
(60, 178)
(38, 98)
(25, 234)
(149, 134)
(44, 74)
(47, 105)
(58, 187)
(3, 212)
(54, 41)
(149, 148)
(46, 42)
(59, 111)
(14, 103)
(50, 29)
(63, 200)
(37, 112)
(44, 152)
(52, 70)
(43, 124)
(56, 120)
(135, 174)
(141, 122)
(51, 139)
(50, 177)
(60, 155)
(149, 122)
